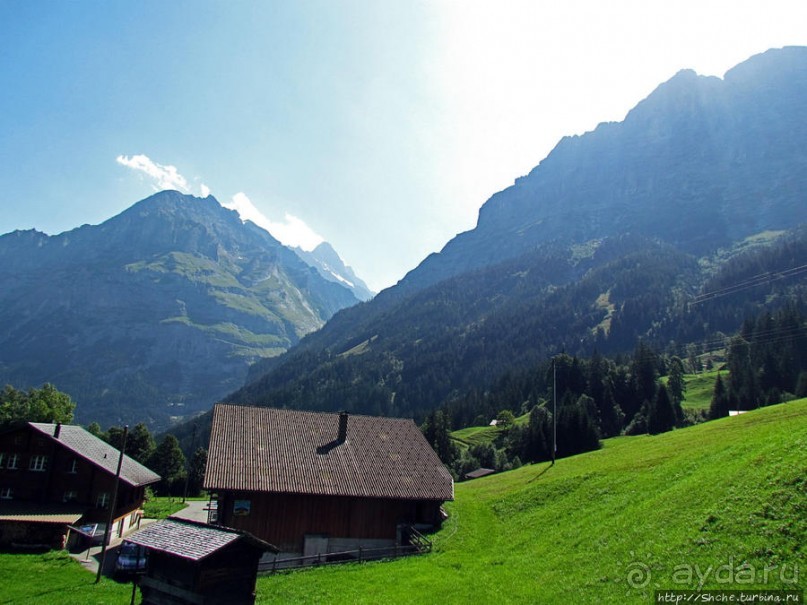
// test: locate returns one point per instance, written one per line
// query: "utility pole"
(554, 410)
(189, 465)
(112, 506)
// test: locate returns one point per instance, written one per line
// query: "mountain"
(330, 266)
(156, 313)
(701, 163)
(604, 243)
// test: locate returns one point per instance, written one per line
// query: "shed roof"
(289, 451)
(97, 451)
(480, 472)
(191, 540)
(32, 512)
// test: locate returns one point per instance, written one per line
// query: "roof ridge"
(130, 470)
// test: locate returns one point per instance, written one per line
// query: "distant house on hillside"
(479, 473)
(54, 475)
(314, 483)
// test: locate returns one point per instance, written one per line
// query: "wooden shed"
(197, 564)
(314, 483)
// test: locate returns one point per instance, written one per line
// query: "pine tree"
(197, 471)
(662, 413)
(140, 444)
(168, 461)
(742, 377)
(611, 416)
(720, 401)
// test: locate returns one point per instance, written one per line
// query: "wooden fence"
(418, 544)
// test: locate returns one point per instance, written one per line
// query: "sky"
(380, 126)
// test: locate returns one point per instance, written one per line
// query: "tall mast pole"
(112, 506)
(554, 410)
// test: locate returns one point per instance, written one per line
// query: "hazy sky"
(379, 125)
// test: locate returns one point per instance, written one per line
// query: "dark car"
(132, 559)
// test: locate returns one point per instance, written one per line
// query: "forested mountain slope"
(616, 236)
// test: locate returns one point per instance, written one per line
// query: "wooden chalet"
(199, 564)
(53, 476)
(313, 483)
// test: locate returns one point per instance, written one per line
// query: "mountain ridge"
(155, 313)
(599, 246)
(614, 179)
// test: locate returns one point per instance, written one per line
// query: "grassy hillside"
(478, 435)
(608, 526)
(54, 578)
(724, 500)
(700, 388)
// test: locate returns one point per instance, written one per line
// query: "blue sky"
(379, 125)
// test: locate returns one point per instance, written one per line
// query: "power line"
(751, 282)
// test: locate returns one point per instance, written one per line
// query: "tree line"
(598, 397)
(178, 475)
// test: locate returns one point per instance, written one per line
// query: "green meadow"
(711, 506)
(721, 505)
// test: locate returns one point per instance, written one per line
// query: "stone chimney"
(57, 430)
(342, 427)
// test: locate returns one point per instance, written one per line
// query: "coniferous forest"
(607, 321)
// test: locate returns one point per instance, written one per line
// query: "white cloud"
(164, 176)
(292, 232)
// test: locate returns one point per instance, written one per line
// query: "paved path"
(195, 511)
(90, 558)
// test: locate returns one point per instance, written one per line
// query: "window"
(12, 462)
(70, 496)
(103, 500)
(5, 493)
(73, 466)
(38, 463)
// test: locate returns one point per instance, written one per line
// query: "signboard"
(241, 508)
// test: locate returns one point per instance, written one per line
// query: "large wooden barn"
(54, 475)
(313, 483)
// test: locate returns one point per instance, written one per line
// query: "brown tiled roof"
(287, 451)
(191, 540)
(97, 451)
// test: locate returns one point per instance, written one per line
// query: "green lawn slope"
(723, 501)
(700, 388)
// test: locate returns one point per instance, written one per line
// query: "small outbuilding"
(198, 564)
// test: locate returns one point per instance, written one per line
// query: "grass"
(724, 500)
(477, 435)
(161, 507)
(660, 509)
(700, 388)
(54, 578)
